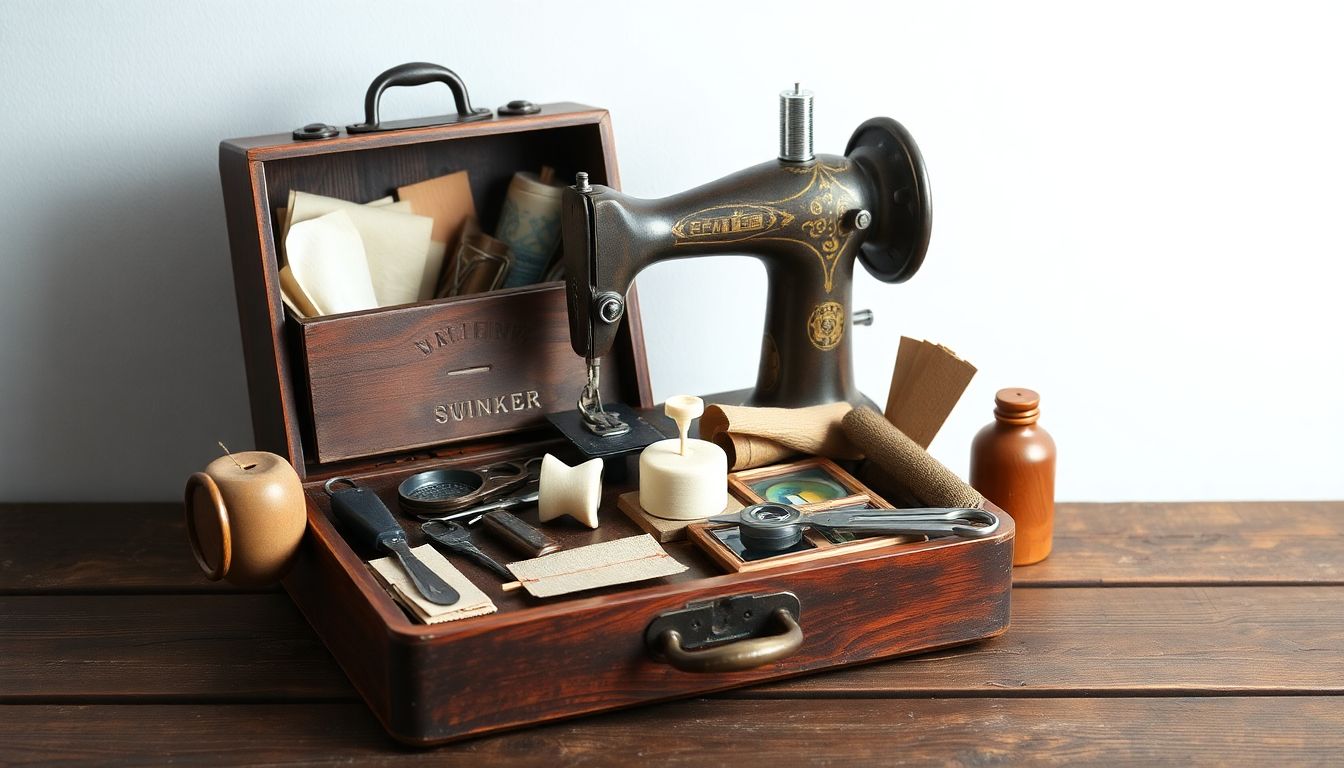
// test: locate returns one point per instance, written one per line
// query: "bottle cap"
(1017, 405)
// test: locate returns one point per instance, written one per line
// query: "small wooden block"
(662, 530)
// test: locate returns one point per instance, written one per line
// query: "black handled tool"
(776, 527)
(369, 523)
(457, 539)
(518, 533)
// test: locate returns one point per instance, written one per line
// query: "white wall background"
(1138, 210)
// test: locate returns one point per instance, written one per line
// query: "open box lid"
(337, 392)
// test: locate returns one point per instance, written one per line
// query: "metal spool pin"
(795, 125)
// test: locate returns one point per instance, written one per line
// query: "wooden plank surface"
(1223, 643)
(1143, 640)
(162, 647)
(1222, 542)
(1066, 731)
(120, 548)
(98, 548)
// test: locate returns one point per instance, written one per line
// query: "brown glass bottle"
(1013, 465)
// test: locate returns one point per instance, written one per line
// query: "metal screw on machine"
(610, 306)
(581, 182)
(862, 317)
(858, 219)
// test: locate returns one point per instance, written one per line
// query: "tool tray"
(312, 383)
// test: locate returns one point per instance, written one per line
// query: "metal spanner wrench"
(775, 527)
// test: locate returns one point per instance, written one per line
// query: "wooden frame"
(740, 486)
(740, 482)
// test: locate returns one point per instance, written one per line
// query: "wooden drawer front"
(393, 379)
(594, 659)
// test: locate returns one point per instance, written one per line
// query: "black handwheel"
(903, 219)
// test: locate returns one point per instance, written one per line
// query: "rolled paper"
(677, 486)
(900, 465)
(755, 437)
(573, 491)
(747, 452)
(530, 225)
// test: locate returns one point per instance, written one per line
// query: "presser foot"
(603, 423)
(639, 434)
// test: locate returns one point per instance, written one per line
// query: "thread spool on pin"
(574, 491)
(683, 478)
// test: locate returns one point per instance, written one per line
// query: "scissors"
(775, 527)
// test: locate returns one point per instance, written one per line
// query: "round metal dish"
(439, 490)
(447, 490)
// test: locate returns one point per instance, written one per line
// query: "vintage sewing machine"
(806, 216)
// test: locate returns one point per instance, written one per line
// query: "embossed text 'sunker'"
(476, 408)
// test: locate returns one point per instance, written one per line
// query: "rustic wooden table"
(1207, 633)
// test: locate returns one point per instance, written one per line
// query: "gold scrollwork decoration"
(821, 205)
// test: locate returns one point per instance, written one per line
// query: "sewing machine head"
(805, 216)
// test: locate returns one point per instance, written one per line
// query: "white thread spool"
(565, 490)
(683, 479)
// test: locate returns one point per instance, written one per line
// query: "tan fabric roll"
(755, 437)
(902, 466)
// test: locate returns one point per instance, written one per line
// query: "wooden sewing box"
(353, 395)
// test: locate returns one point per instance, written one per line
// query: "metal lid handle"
(415, 73)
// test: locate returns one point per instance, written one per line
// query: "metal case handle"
(722, 634)
(416, 73)
(736, 656)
